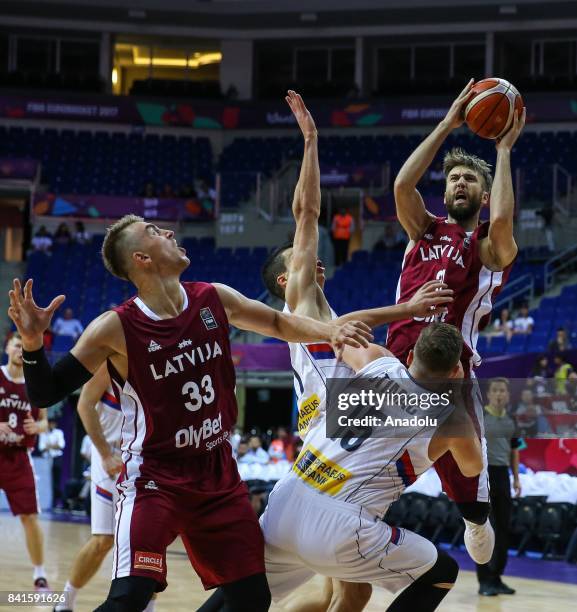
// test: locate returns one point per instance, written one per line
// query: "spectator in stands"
(255, 453)
(571, 389)
(51, 444)
(562, 371)
(561, 341)
(392, 238)
(542, 369)
(62, 235)
(289, 442)
(523, 323)
(528, 415)
(502, 454)
(42, 240)
(68, 325)
(86, 451)
(242, 452)
(342, 228)
(503, 326)
(81, 236)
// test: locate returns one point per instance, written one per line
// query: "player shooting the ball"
(473, 260)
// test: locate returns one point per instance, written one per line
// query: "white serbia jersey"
(371, 471)
(312, 364)
(110, 415)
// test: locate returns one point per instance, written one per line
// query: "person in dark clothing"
(502, 454)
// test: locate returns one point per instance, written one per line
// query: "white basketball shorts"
(308, 533)
(103, 497)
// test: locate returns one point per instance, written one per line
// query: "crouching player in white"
(101, 416)
(326, 515)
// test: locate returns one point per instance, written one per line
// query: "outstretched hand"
(352, 333)
(510, 137)
(302, 114)
(429, 299)
(455, 116)
(30, 319)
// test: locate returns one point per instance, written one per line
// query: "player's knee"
(250, 593)
(130, 594)
(350, 595)
(476, 512)
(28, 519)
(444, 573)
(102, 543)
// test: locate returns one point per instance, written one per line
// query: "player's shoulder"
(387, 364)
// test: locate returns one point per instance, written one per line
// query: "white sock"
(150, 606)
(39, 572)
(71, 593)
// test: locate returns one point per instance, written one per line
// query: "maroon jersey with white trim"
(178, 400)
(14, 408)
(448, 253)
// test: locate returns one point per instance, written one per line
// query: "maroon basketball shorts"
(17, 480)
(459, 488)
(218, 526)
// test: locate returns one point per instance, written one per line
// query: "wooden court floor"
(184, 592)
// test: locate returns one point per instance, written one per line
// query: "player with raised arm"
(473, 259)
(20, 423)
(341, 487)
(168, 355)
(296, 275)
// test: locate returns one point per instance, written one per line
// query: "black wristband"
(32, 358)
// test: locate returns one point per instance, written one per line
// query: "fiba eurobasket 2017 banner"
(220, 114)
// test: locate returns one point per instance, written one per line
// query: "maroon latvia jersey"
(446, 252)
(178, 400)
(14, 408)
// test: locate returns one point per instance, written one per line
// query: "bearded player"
(19, 425)
(169, 358)
(473, 259)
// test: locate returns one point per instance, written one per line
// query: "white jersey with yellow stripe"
(371, 471)
(110, 416)
(312, 364)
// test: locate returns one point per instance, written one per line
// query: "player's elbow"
(403, 186)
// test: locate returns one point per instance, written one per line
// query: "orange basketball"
(489, 112)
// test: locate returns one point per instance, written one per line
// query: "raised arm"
(428, 300)
(255, 316)
(499, 249)
(411, 210)
(302, 291)
(48, 384)
(91, 393)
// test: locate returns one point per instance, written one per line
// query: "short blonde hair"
(459, 157)
(112, 251)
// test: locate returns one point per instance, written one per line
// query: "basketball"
(490, 110)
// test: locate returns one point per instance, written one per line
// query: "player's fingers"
(351, 342)
(28, 289)
(55, 303)
(13, 314)
(466, 89)
(442, 295)
(17, 288)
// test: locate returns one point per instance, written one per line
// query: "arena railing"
(566, 261)
(522, 287)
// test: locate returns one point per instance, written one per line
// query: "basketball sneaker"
(479, 541)
(41, 584)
